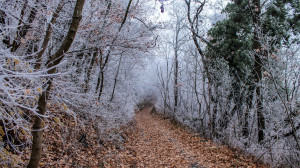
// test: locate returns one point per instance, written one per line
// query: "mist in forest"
(227, 70)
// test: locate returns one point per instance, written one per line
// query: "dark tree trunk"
(176, 76)
(89, 70)
(258, 69)
(193, 22)
(48, 35)
(101, 84)
(22, 31)
(116, 79)
(214, 116)
(249, 99)
(42, 102)
(37, 133)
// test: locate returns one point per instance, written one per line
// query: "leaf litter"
(148, 141)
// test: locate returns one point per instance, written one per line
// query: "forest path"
(157, 142)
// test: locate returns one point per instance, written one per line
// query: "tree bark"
(258, 68)
(22, 31)
(176, 62)
(101, 84)
(206, 74)
(107, 55)
(249, 99)
(89, 70)
(116, 79)
(37, 132)
(48, 35)
(42, 102)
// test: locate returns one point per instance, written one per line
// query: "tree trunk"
(89, 70)
(107, 55)
(206, 75)
(101, 84)
(249, 99)
(42, 102)
(22, 31)
(258, 69)
(37, 132)
(116, 79)
(195, 88)
(48, 35)
(176, 76)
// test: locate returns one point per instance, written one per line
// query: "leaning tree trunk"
(48, 35)
(52, 62)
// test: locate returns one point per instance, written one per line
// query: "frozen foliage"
(48, 58)
(19, 90)
(208, 80)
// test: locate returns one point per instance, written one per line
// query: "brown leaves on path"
(150, 141)
(156, 142)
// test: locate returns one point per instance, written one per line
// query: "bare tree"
(51, 64)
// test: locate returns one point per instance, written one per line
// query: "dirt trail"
(156, 142)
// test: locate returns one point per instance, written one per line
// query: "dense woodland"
(237, 81)
(229, 70)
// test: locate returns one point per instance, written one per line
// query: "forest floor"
(158, 142)
(150, 141)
